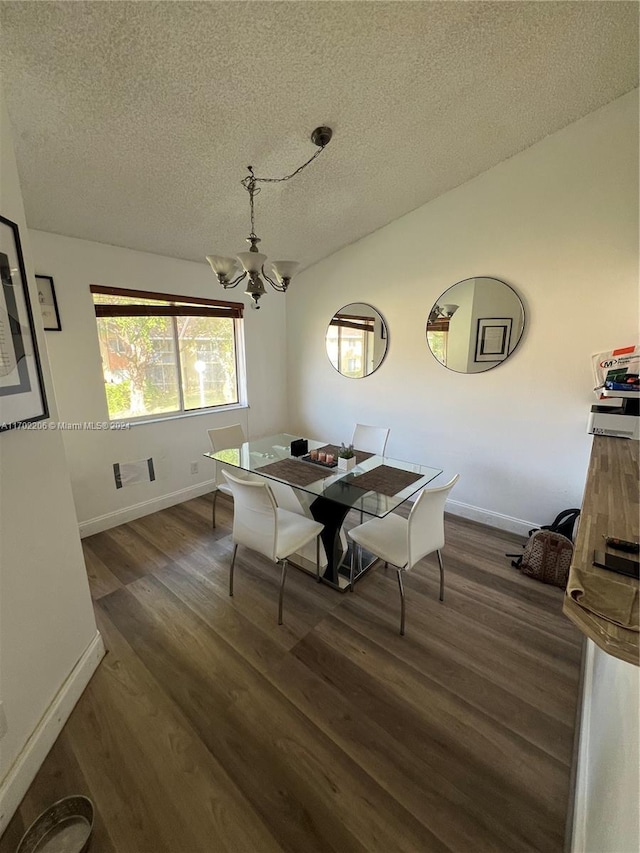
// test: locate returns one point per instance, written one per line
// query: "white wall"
(558, 222)
(46, 618)
(607, 811)
(492, 299)
(76, 368)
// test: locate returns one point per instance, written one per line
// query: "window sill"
(178, 416)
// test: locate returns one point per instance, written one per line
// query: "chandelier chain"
(250, 181)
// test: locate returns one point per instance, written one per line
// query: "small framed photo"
(48, 303)
(22, 395)
(493, 338)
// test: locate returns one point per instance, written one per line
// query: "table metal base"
(344, 569)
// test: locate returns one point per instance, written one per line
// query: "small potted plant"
(346, 457)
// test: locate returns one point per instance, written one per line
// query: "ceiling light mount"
(321, 136)
(253, 261)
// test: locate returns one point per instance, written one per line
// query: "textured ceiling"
(134, 121)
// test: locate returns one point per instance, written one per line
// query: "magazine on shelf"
(617, 370)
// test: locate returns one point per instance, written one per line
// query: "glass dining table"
(376, 486)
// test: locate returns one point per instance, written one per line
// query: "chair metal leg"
(401, 585)
(441, 575)
(215, 498)
(318, 559)
(356, 557)
(282, 580)
(233, 560)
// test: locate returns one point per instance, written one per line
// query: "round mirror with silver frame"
(356, 340)
(475, 325)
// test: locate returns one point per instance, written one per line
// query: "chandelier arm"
(236, 281)
(274, 284)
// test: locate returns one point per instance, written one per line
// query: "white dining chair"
(222, 438)
(404, 541)
(259, 524)
(371, 439)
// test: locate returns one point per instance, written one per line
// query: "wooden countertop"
(611, 507)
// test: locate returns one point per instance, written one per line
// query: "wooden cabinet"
(611, 507)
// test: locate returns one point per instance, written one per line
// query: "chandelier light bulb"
(225, 268)
(251, 261)
(284, 271)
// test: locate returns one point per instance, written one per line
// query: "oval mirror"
(357, 340)
(475, 325)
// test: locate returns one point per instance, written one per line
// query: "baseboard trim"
(519, 526)
(129, 513)
(22, 773)
(493, 519)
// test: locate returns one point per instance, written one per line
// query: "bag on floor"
(547, 557)
(564, 523)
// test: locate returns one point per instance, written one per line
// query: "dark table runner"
(360, 455)
(295, 472)
(385, 479)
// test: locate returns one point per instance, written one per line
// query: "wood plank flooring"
(209, 728)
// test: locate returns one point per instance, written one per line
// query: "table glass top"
(331, 483)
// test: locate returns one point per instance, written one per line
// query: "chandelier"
(252, 262)
(444, 312)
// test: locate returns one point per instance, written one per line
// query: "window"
(437, 337)
(164, 354)
(350, 344)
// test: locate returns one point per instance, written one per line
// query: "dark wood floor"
(209, 728)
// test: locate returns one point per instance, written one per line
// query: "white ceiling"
(134, 121)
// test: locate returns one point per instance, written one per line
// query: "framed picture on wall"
(48, 303)
(22, 396)
(493, 338)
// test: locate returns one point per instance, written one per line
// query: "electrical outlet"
(3, 721)
(194, 467)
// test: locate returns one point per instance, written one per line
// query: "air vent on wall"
(130, 473)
